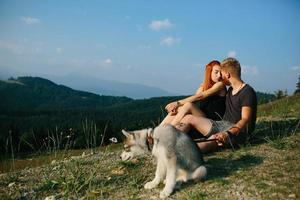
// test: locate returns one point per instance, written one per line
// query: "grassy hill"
(39, 94)
(282, 108)
(264, 169)
(32, 108)
(35, 93)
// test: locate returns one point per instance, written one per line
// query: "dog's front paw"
(150, 185)
(165, 193)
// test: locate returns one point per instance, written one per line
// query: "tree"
(280, 94)
(298, 86)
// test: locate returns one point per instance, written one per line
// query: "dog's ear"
(150, 131)
(125, 133)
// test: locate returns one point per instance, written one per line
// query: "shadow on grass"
(223, 167)
(265, 131)
(219, 168)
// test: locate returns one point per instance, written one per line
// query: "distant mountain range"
(33, 107)
(35, 93)
(112, 88)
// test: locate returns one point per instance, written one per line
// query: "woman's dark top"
(213, 107)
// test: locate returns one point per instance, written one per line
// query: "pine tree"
(279, 94)
(298, 86)
(285, 93)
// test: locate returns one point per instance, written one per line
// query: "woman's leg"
(168, 119)
(207, 147)
(185, 128)
(201, 124)
(187, 108)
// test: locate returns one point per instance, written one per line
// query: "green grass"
(260, 171)
(266, 168)
(283, 108)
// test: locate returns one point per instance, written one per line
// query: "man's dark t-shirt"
(234, 103)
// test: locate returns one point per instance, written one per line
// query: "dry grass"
(283, 108)
(269, 170)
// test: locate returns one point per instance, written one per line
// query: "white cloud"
(128, 67)
(21, 47)
(37, 50)
(77, 62)
(295, 68)
(101, 46)
(108, 61)
(12, 47)
(246, 69)
(157, 25)
(169, 41)
(144, 47)
(59, 50)
(231, 54)
(30, 20)
(83, 62)
(139, 28)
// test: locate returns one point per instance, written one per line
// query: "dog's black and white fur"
(178, 158)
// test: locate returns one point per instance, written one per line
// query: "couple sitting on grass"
(226, 116)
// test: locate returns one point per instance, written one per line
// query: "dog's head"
(135, 143)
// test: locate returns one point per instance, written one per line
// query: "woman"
(211, 93)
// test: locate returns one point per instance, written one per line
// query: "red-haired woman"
(211, 93)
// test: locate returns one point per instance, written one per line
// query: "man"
(240, 114)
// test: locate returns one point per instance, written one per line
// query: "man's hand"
(221, 138)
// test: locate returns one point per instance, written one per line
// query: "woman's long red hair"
(208, 83)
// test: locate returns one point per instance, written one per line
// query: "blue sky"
(164, 44)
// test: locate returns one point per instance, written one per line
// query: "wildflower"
(52, 197)
(113, 140)
(11, 184)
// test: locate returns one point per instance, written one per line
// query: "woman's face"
(216, 73)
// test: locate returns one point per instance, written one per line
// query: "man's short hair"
(232, 65)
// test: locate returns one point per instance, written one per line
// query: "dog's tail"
(200, 173)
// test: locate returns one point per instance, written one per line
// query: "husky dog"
(178, 157)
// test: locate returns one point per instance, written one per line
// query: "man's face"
(225, 77)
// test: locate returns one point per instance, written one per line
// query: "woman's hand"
(172, 108)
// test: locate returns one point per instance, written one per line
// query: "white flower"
(113, 140)
(11, 184)
(52, 197)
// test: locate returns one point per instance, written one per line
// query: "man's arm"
(235, 130)
(246, 117)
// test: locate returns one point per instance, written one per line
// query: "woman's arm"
(200, 89)
(172, 107)
(200, 95)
